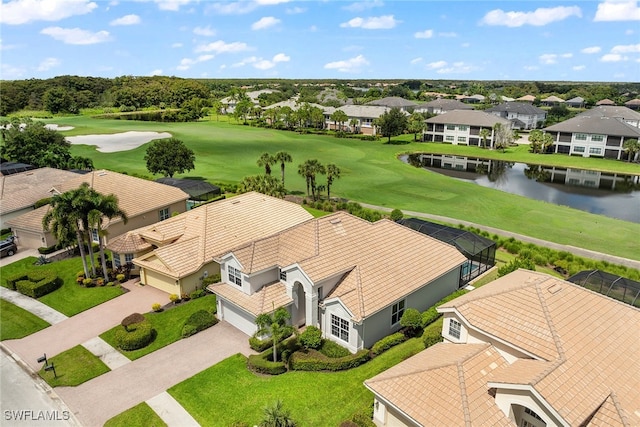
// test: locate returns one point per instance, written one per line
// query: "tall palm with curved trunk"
(283, 157)
(64, 221)
(265, 161)
(333, 173)
(105, 207)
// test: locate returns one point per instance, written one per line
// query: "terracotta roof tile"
(263, 301)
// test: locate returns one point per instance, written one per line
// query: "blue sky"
(463, 40)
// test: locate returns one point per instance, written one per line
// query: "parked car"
(8, 247)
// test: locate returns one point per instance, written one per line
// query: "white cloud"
(448, 34)
(539, 17)
(204, 31)
(126, 20)
(351, 65)
(242, 7)
(578, 68)
(426, 34)
(415, 61)
(630, 48)
(264, 23)
(629, 32)
(220, 46)
(18, 12)
(48, 64)
(187, 63)
(385, 22)
(617, 10)
(456, 68)
(76, 35)
(436, 65)
(261, 63)
(281, 57)
(245, 61)
(7, 46)
(552, 58)
(156, 72)
(176, 45)
(361, 6)
(591, 49)
(295, 10)
(466, 44)
(9, 72)
(531, 67)
(613, 57)
(171, 5)
(313, 28)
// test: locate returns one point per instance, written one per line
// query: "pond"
(610, 194)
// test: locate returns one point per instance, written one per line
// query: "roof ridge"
(359, 288)
(619, 409)
(463, 394)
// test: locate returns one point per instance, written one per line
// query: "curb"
(40, 383)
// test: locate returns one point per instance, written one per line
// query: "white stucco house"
(351, 278)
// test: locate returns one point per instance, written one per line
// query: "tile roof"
(195, 237)
(31, 220)
(468, 117)
(128, 243)
(611, 111)
(270, 296)
(445, 385)
(446, 104)
(552, 98)
(369, 256)
(586, 344)
(363, 111)
(526, 98)
(517, 107)
(392, 101)
(595, 124)
(605, 101)
(22, 190)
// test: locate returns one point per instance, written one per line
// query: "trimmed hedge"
(198, 321)
(332, 349)
(138, 336)
(311, 337)
(35, 283)
(46, 250)
(263, 363)
(313, 360)
(430, 316)
(261, 345)
(430, 340)
(387, 342)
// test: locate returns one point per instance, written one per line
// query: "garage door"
(158, 281)
(28, 240)
(237, 317)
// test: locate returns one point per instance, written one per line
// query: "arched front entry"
(298, 316)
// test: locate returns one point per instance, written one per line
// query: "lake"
(610, 194)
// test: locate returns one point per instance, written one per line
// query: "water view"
(610, 194)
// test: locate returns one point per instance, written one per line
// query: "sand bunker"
(117, 141)
(53, 126)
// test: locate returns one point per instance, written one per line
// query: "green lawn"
(139, 416)
(71, 298)
(16, 322)
(234, 394)
(73, 367)
(371, 173)
(168, 325)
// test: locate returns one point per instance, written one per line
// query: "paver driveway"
(98, 400)
(86, 325)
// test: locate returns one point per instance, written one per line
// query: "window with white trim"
(454, 328)
(234, 275)
(116, 259)
(340, 328)
(595, 150)
(463, 127)
(578, 149)
(597, 138)
(283, 275)
(128, 258)
(94, 235)
(462, 139)
(451, 127)
(397, 310)
(581, 137)
(163, 214)
(449, 138)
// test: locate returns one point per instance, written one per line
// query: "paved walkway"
(586, 253)
(109, 355)
(106, 396)
(171, 411)
(32, 305)
(86, 325)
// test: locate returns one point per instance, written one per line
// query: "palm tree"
(105, 207)
(353, 123)
(309, 169)
(484, 134)
(333, 172)
(266, 160)
(217, 108)
(283, 157)
(273, 325)
(63, 220)
(631, 147)
(265, 184)
(339, 116)
(276, 416)
(303, 170)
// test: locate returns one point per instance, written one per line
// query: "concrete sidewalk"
(171, 411)
(106, 396)
(32, 305)
(109, 355)
(86, 325)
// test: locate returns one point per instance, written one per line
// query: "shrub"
(515, 264)
(47, 250)
(430, 316)
(198, 293)
(411, 320)
(263, 363)
(348, 423)
(209, 280)
(313, 360)
(88, 282)
(132, 319)
(396, 215)
(311, 338)
(110, 283)
(198, 321)
(156, 307)
(138, 336)
(35, 283)
(261, 345)
(120, 277)
(430, 340)
(80, 274)
(333, 350)
(387, 342)
(174, 298)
